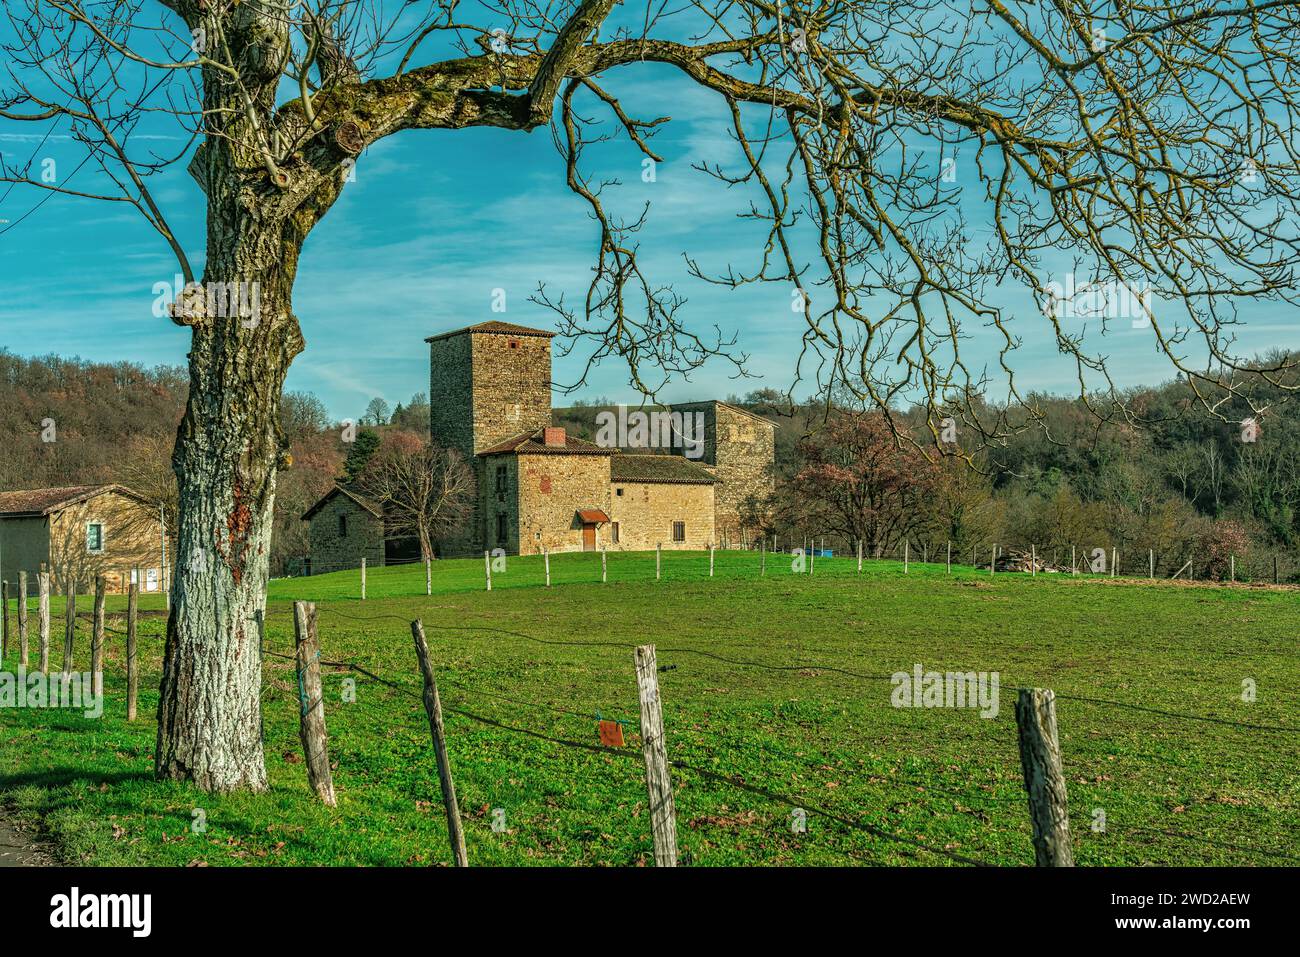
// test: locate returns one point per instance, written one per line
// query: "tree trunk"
(228, 449)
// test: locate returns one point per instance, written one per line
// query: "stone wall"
(551, 490)
(493, 503)
(451, 409)
(511, 384)
(645, 512)
(740, 449)
(330, 551)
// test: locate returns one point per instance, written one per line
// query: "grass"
(755, 717)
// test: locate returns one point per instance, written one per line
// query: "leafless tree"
(426, 492)
(1149, 142)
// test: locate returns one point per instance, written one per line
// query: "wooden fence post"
(1074, 564)
(311, 704)
(659, 786)
(1040, 758)
(363, 578)
(1151, 563)
(433, 708)
(993, 560)
(132, 669)
(546, 560)
(710, 559)
(22, 619)
(1114, 556)
(1033, 561)
(43, 620)
(907, 553)
(97, 637)
(1232, 565)
(950, 558)
(859, 556)
(604, 565)
(762, 556)
(69, 624)
(428, 577)
(659, 547)
(1274, 569)
(812, 555)
(4, 621)
(487, 569)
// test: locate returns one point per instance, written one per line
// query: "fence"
(805, 553)
(1043, 764)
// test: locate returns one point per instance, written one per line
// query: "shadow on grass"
(52, 778)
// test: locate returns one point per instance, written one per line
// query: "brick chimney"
(553, 437)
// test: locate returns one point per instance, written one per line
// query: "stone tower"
(740, 449)
(487, 383)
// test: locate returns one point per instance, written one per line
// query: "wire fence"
(472, 702)
(470, 699)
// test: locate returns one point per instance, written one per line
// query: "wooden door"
(588, 536)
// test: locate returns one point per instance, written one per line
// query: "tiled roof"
(43, 501)
(662, 469)
(592, 516)
(494, 326)
(361, 500)
(530, 443)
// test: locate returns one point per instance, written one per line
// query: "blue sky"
(433, 224)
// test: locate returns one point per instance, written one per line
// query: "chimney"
(553, 437)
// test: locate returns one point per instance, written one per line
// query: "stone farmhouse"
(538, 488)
(79, 532)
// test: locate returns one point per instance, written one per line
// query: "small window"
(94, 537)
(514, 343)
(613, 529)
(502, 528)
(618, 491)
(501, 480)
(679, 531)
(343, 526)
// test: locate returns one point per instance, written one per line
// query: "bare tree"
(1150, 143)
(425, 491)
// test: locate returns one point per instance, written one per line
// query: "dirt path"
(18, 845)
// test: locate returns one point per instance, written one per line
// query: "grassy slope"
(938, 778)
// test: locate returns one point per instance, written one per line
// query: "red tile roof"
(592, 515)
(43, 501)
(532, 443)
(494, 327)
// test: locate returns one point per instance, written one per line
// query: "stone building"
(78, 533)
(344, 528)
(539, 488)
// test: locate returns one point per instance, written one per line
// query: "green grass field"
(756, 717)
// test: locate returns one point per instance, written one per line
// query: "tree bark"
(228, 449)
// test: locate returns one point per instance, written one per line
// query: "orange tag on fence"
(611, 734)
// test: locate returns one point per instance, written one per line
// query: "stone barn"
(343, 528)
